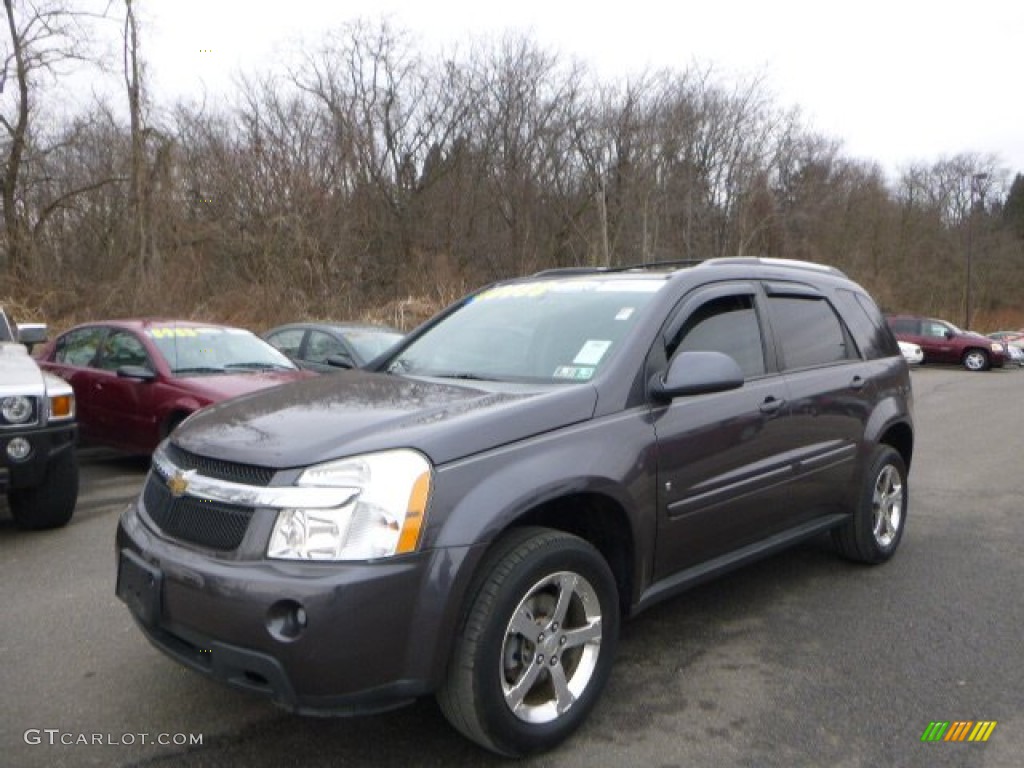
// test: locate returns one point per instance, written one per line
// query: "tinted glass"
(727, 324)
(905, 325)
(808, 331)
(866, 324)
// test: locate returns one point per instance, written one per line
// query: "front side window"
(545, 331)
(288, 341)
(321, 346)
(726, 324)
(121, 348)
(936, 329)
(808, 331)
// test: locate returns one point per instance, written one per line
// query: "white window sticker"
(591, 352)
(625, 313)
(573, 373)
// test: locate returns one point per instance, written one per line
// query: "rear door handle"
(857, 383)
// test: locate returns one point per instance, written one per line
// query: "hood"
(356, 412)
(19, 373)
(223, 386)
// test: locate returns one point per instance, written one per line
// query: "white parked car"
(912, 352)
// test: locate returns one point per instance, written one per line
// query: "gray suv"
(473, 517)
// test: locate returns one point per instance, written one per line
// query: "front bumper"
(46, 444)
(370, 636)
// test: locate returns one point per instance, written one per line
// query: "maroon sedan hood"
(224, 386)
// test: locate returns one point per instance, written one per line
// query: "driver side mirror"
(140, 372)
(697, 373)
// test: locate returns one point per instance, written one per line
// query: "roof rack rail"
(770, 261)
(617, 268)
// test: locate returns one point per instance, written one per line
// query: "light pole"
(975, 180)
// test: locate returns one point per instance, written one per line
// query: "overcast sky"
(898, 81)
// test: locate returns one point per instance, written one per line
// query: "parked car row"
(136, 380)
(942, 342)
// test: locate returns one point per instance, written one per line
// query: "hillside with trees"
(366, 180)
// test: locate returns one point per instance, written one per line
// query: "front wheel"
(875, 530)
(975, 360)
(535, 648)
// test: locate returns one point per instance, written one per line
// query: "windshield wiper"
(199, 369)
(259, 366)
(463, 375)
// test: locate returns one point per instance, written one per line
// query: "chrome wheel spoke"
(563, 696)
(515, 695)
(566, 590)
(591, 633)
(523, 624)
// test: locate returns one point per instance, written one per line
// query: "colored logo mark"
(958, 730)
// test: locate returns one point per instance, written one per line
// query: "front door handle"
(772, 404)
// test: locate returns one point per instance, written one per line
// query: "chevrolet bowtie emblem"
(177, 484)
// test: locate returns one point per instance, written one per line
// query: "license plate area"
(139, 585)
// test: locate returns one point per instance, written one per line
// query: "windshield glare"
(554, 331)
(196, 350)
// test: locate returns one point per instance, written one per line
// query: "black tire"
(976, 360)
(522, 582)
(50, 504)
(876, 528)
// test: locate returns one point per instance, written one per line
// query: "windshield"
(196, 350)
(371, 343)
(549, 331)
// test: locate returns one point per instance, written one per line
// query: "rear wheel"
(536, 646)
(874, 532)
(50, 504)
(975, 360)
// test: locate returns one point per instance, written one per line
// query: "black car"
(327, 347)
(474, 516)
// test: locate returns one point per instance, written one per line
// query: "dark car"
(327, 347)
(474, 516)
(943, 342)
(135, 380)
(38, 470)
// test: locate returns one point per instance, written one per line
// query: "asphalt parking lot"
(800, 660)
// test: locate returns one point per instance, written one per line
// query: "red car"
(943, 342)
(135, 380)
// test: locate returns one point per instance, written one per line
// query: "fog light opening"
(286, 620)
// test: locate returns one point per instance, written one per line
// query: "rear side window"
(78, 347)
(906, 325)
(808, 332)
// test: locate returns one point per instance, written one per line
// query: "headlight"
(383, 518)
(17, 409)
